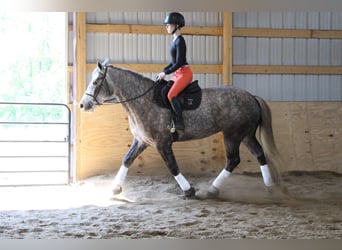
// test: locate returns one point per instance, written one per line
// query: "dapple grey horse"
(227, 109)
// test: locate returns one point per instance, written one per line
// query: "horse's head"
(98, 90)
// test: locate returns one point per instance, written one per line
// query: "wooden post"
(79, 85)
(227, 64)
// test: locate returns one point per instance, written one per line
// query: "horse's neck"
(129, 84)
(131, 87)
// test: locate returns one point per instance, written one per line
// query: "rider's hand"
(160, 76)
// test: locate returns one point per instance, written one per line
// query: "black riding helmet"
(175, 18)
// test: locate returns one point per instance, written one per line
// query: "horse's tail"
(272, 154)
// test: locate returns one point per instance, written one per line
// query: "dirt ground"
(153, 207)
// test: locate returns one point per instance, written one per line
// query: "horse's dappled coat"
(227, 109)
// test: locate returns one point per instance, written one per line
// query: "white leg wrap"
(217, 183)
(183, 183)
(266, 175)
(120, 176)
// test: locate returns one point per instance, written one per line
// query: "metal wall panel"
(298, 87)
(154, 18)
(239, 52)
(276, 20)
(116, 53)
(336, 21)
(134, 48)
(336, 52)
(289, 51)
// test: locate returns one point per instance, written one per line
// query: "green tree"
(32, 63)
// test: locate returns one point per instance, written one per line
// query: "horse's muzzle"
(87, 107)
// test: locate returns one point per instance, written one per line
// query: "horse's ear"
(105, 62)
(99, 65)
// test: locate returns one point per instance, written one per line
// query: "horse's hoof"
(117, 190)
(201, 194)
(213, 192)
(189, 193)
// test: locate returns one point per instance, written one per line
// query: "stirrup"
(173, 127)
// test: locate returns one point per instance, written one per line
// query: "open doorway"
(34, 122)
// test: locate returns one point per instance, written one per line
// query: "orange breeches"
(182, 77)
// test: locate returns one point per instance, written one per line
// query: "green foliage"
(32, 63)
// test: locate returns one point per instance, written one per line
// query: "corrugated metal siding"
(292, 87)
(289, 51)
(133, 48)
(289, 20)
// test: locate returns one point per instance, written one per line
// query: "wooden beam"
(236, 69)
(80, 56)
(125, 28)
(287, 33)
(79, 85)
(155, 68)
(328, 34)
(216, 31)
(203, 31)
(151, 29)
(227, 76)
(278, 69)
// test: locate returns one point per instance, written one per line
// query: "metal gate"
(34, 144)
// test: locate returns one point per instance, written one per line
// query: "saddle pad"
(190, 98)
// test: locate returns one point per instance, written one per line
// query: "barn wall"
(289, 51)
(304, 143)
(308, 133)
(153, 48)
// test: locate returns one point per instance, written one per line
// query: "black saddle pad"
(190, 97)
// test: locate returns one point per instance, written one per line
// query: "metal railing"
(34, 144)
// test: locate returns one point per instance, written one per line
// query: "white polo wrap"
(266, 175)
(217, 183)
(183, 183)
(120, 176)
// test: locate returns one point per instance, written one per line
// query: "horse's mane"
(133, 73)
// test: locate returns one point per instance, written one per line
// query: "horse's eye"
(96, 81)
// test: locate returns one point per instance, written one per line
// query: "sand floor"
(153, 207)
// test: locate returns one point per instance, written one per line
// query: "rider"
(182, 73)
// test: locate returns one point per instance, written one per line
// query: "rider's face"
(170, 28)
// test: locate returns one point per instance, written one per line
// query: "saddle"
(190, 98)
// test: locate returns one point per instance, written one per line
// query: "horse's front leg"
(134, 151)
(165, 150)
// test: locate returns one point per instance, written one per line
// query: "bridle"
(114, 100)
(98, 89)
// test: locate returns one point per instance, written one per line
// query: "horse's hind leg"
(255, 148)
(233, 159)
(136, 148)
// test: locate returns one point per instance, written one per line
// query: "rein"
(113, 100)
(133, 98)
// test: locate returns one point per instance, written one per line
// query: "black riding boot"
(178, 118)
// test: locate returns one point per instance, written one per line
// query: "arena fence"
(34, 144)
